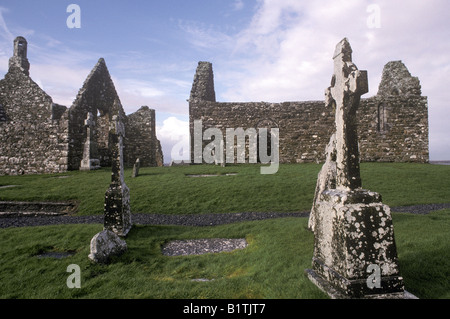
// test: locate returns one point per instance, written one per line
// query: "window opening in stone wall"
(381, 118)
(21, 49)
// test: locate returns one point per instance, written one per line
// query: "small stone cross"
(117, 133)
(89, 121)
(347, 86)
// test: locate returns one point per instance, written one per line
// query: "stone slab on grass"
(203, 246)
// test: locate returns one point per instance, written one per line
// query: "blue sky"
(261, 50)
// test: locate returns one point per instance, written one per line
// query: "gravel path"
(185, 220)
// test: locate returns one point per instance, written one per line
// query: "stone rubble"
(104, 245)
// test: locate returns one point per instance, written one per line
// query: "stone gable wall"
(96, 96)
(34, 130)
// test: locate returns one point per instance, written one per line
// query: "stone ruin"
(39, 136)
(393, 124)
(355, 254)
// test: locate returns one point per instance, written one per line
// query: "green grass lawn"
(273, 264)
(168, 190)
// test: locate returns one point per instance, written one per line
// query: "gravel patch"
(420, 209)
(148, 219)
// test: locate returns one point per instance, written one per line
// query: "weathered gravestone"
(90, 160)
(354, 249)
(117, 198)
(136, 167)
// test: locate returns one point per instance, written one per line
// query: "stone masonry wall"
(392, 127)
(33, 129)
(39, 136)
(140, 139)
(98, 96)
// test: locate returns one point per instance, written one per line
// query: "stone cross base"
(334, 293)
(117, 209)
(354, 249)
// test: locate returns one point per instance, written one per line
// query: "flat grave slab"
(203, 246)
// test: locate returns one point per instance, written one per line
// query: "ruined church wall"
(99, 96)
(394, 129)
(140, 139)
(305, 127)
(392, 125)
(96, 96)
(33, 129)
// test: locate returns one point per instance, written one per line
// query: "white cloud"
(205, 37)
(61, 82)
(174, 138)
(140, 88)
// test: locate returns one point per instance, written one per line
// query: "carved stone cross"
(353, 231)
(89, 160)
(117, 198)
(117, 133)
(89, 121)
(347, 86)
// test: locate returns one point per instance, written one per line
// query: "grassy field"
(168, 190)
(273, 264)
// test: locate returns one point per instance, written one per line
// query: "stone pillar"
(117, 198)
(19, 60)
(89, 162)
(203, 85)
(354, 248)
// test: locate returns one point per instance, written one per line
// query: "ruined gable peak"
(397, 80)
(98, 93)
(19, 60)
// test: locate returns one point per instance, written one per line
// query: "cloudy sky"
(261, 50)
